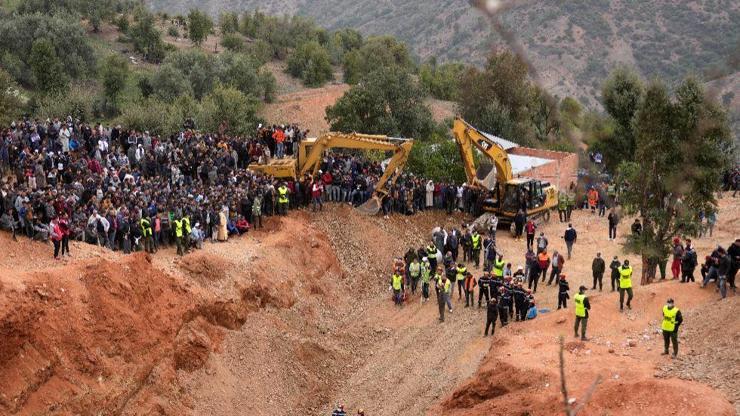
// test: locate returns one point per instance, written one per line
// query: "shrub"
(310, 62)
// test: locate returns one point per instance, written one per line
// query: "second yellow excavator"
(509, 194)
(311, 151)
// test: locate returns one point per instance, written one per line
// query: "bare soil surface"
(298, 317)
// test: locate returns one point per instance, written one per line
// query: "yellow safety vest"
(447, 286)
(414, 269)
(579, 299)
(178, 228)
(432, 252)
(669, 319)
(186, 223)
(283, 192)
(625, 277)
(476, 241)
(146, 229)
(397, 280)
(498, 268)
(461, 272)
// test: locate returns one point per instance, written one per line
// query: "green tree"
(504, 81)
(377, 52)
(232, 42)
(621, 95)
(199, 26)
(228, 22)
(146, 38)
(570, 110)
(386, 101)
(11, 105)
(683, 146)
(228, 109)
(169, 83)
(441, 81)
(437, 159)
(47, 68)
(114, 72)
(310, 62)
(544, 115)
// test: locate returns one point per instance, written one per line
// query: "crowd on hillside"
(130, 190)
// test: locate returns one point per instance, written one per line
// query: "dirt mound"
(496, 380)
(205, 268)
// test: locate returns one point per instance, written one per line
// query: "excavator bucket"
(371, 207)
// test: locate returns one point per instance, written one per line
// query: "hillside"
(572, 44)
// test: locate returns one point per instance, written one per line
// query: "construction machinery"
(311, 151)
(509, 194)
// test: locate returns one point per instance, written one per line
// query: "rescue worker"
(614, 266)
(414, 274)
(672, 319)
(146, 234)
(178, 236)
(571, 204)
(283, 199)
(426, 271)
(444, 288)
(475, 245)
(432, 256)
(186, 233)
(498, 268)
(491, 316)
(562, 206)
(598, 266)
(484, 285)
(625, 284)
(503, 305)
(339, 411)
(520, 302)
(563, 289)
(396, 282)
(460, 272)
(469, 284)
(582, 308)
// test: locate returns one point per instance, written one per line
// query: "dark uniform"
(520, 301)
(563, 296)
(491, 316)
(484, 285)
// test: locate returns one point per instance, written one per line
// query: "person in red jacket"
(530, 228)
(66, 231)
(55, 233)
(317, 190)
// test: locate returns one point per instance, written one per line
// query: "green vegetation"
(199, 26)
(376, 52)
(386, 101)
(441, 81)
(310, 62)
(683, 145)
(10, 101)
(46, 67)
(146, 38)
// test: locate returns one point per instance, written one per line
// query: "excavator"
(509, 194)
(311, 151)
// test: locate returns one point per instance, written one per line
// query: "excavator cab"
(524, 193)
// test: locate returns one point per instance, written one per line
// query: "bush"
(146, 38)
(173, 31)
(377, 52)
(199, 26)
(151, 114)
(230, 108)
(11, 105)
(113, 74)
(169, 83)
(232, 42)
(443, 81)
(437, 159)
(76, 102)
(310, 62)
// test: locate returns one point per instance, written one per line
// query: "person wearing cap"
(491, 316)
(614, 267)
(444, 288)
(582, 308)
(598, 266)
(625, 284)
(563, 289)
(672, 319)
(503, 305)
(484, 287)
(520, 302)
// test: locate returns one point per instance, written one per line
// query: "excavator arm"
(310, 160)
(468, 137)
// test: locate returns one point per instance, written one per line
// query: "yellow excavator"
(311, 151)
(509, 194)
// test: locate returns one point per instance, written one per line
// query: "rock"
(560, 320)
(611, 350)
(632, 343)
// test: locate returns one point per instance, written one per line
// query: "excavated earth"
(297, 317)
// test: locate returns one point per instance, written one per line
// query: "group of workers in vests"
(506, 297)
(181, 229)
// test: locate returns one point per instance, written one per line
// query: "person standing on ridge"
(625, 285)
(672, 319)
(582, 308)
(598, 266)
(491, 316)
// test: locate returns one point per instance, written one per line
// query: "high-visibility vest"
(625, 277)
(476, 241)
(669, 319)
(461, 272)
(562, 201)
(146, 228)
(414, 269)
(186, 224)
(498, 268)
(432, 252)
(397, 280)
(447, 286)
(178, 228)
(579, 299)
(425, 274)
(283, 194)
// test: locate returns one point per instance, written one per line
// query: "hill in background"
(573, 44)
